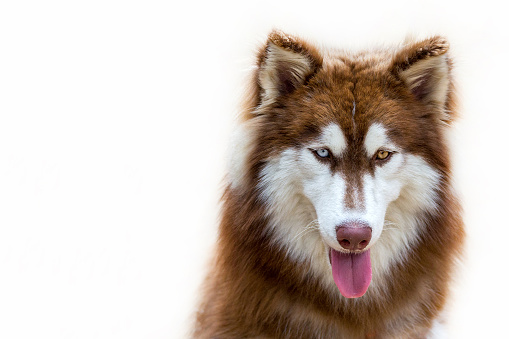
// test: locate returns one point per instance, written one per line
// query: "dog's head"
(347, 150)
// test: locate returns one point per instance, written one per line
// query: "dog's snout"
(353, 236)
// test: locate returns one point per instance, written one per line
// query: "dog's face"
(352, 183)
(350, 151)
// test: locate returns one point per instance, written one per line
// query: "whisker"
(313, 225)
(301, 234)
(387, 225)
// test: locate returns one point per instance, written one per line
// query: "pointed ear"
(425, 69)
(285, 64)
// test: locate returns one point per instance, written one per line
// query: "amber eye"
(382, 155)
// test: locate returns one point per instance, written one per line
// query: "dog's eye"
(383, 155)
(322, 153)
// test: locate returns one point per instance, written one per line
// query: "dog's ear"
(425, 68)
(284, 64)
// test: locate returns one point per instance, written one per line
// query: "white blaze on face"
(298, 189)
(404, 184)
(327, 190)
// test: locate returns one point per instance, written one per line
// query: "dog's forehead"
(350, 97)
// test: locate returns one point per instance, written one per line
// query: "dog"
(339, 219)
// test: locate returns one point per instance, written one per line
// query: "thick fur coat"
(332, 141)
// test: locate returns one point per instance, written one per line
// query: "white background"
(114, 124)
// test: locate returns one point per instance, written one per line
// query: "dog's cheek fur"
(281, 188)
(403, 225)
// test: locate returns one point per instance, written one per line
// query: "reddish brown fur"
(254, 290)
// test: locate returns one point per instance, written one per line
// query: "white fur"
(290, 210)
(333, 138)
(298, 188)
(418, 193)
(438, 330)
(241, 146)
(376, 139)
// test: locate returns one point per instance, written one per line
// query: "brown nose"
(353, 235)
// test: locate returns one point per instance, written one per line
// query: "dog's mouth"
(351, 272)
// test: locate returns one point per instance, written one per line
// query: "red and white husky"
(339, 220)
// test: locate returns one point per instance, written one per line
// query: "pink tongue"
(351, 272)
